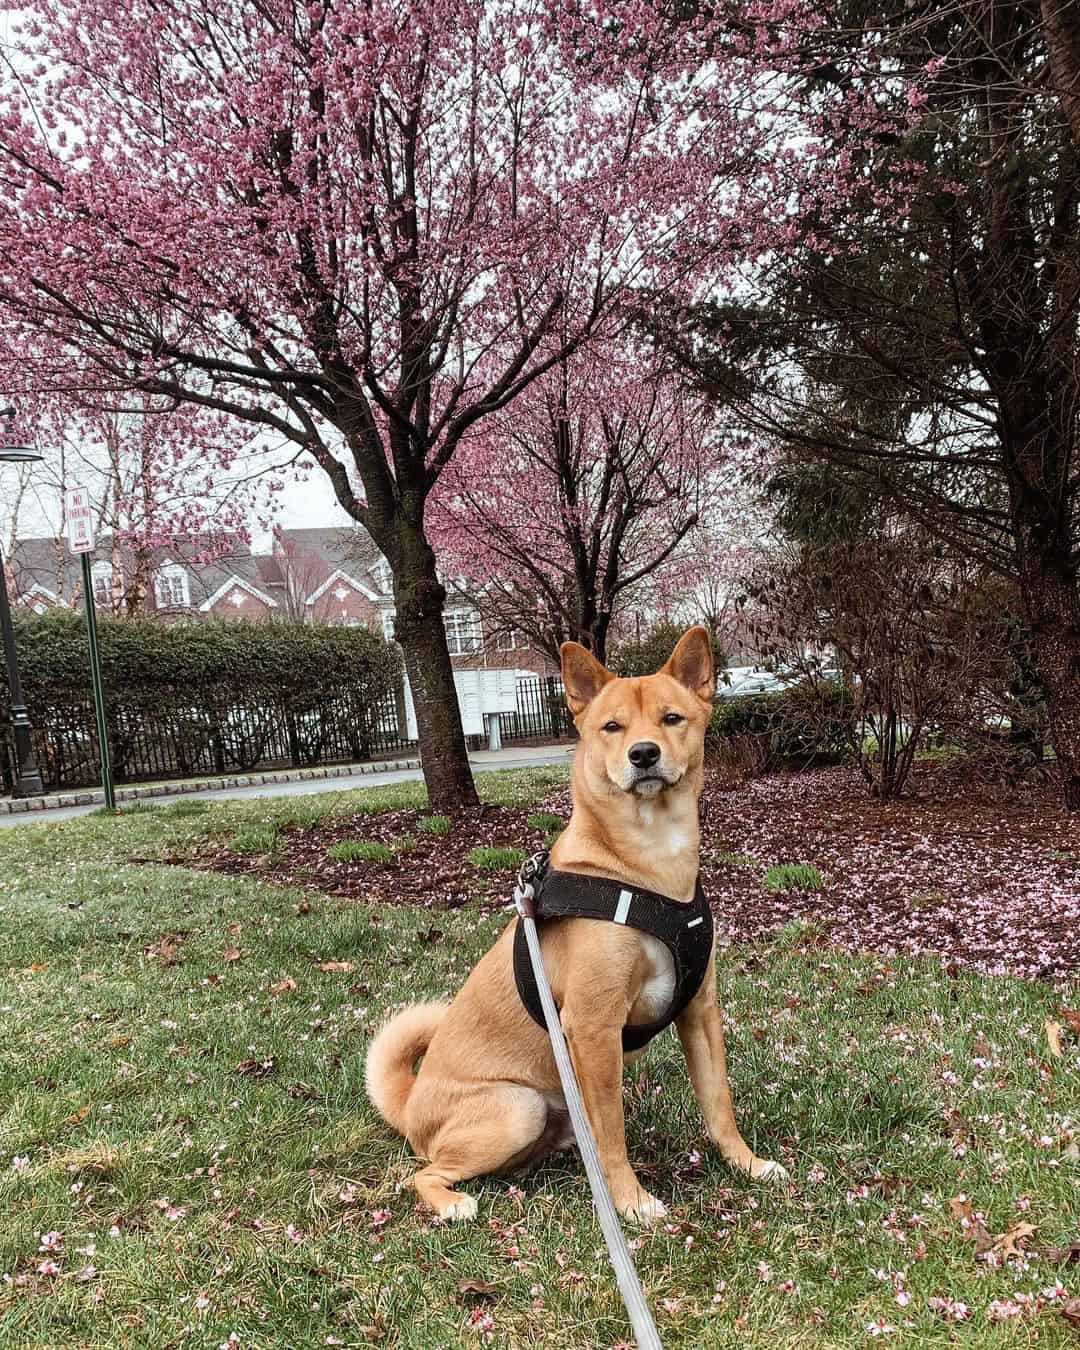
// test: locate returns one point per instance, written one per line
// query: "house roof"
(35, 562)
(308, 558)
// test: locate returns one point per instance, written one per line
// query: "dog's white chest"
(659, 987)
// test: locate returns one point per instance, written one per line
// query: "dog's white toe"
(772, 1171)
(647, 1210)
(464, 1207)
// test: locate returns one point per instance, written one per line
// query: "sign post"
(79, 523)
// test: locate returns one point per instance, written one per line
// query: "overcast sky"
(298, 505)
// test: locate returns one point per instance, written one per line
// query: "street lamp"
(28, 782)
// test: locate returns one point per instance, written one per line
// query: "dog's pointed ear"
(691, 663)
(582, 675)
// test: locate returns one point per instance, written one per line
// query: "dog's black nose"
(643, 754)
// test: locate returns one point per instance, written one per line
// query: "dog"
(487, 1096)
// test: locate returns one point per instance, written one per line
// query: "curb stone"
(15, 805)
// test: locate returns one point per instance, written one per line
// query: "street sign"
(79, 520)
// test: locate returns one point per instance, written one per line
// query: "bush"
(201, 696)
(807, 723)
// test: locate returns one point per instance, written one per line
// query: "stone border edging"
(96, 796)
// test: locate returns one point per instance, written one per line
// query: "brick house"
(334, 575)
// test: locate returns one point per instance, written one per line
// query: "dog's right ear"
(582, 675)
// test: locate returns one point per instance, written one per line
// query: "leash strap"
(633, 1296)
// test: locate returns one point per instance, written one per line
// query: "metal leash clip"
(530, 871)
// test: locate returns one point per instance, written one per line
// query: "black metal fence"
(541, 712)
(149, 744)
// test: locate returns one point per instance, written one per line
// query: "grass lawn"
(187, 1157)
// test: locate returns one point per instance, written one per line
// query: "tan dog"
(487, 1096)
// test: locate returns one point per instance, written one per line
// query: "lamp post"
(28, 782)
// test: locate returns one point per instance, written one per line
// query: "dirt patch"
(432, 870)
(983, 877)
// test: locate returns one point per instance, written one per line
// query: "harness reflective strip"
(694, 922)
(622, 909)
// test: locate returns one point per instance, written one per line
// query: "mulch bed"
(433, 871)
(983, 877)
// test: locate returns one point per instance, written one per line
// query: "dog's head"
(643, 735)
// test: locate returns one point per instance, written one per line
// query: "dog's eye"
(673, 719)
(611, 726)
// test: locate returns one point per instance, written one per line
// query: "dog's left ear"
(691, 663)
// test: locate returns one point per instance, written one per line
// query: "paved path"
(515, 757)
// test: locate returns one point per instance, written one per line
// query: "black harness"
(686, 931)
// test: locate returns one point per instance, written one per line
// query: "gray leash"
(626, 1275)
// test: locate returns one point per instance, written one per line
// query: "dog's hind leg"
(491, 1127)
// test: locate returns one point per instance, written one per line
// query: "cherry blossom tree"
(366, 228)
(560, 509)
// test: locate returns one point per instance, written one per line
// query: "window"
(381, 574)
(463, 631)
(388, 617)
(509, 639)
(101, 574)
(171, 588)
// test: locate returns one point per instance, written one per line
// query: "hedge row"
(205, 697)
(149, 663)
(804, 723)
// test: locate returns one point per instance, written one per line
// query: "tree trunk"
(418, 626)
(1052, 602)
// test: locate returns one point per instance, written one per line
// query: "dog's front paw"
(460, 1209)
(764, 1169)
(644, 1209)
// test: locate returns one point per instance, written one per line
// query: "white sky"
(299, 505)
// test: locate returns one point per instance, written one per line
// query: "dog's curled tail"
(397, 1046)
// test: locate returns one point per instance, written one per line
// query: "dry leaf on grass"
(342, 967)
(973, 1228)
(1008, 1244)
(480, 1289)
(256, 1068)
(1053, 1037)
(77, 1116)
(1060, 1255)
(1070, 1310)
(166, 949)
(1071, 1018)
(285, 986)
(231, 954)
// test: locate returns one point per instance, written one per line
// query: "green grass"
(360, 850)
(792, 876)
(254, 839)
(125, 809)
(269, 1202)
(493, 859)
(435, 824)
(188, 806)
(547, 821)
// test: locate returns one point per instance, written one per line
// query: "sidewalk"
(283, 783)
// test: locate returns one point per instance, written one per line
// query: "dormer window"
(171, 587)
(382, 575)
